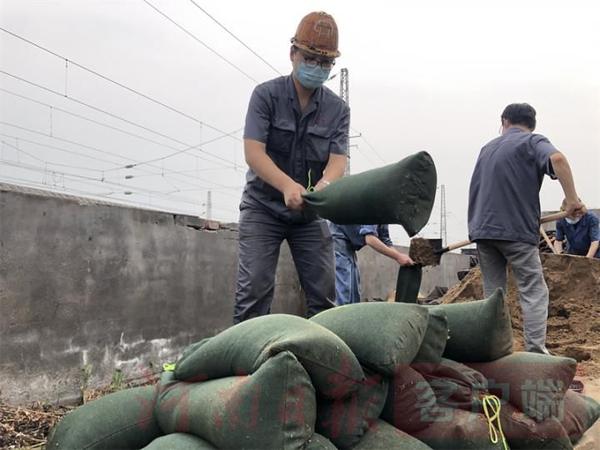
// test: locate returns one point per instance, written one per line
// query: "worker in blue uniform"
(581, 232)
(347, 240)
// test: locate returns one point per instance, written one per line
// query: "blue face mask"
(311, 77)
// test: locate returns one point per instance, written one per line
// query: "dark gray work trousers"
(260, 238)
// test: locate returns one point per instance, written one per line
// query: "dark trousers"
(260, 238)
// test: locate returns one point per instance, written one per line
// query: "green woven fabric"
(122, 420)
(345, 421)
(275, 407)
(243, 348)
(179, 441)
(456, 429)
(318, 442)
(408, 283)
(381, 435)
(434, 342)
(457, 386)
(534, 383)
(400, 193)
(383, 336)
(524, 433)
(580, 413)
(410, 405)
(478, 331)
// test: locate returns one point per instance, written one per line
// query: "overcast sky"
(427, 75)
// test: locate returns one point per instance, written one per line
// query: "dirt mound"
(574, 313)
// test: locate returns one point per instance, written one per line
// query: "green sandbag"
(457, 386)
(345, 421)
(383, 336)
(580, 413)
(479, 331)
(410, 405)
(524, 433)
(400, 193)
(434, 343)
(243, 348)
(383, 436)
(179, 441)
(275, 407)
(534, 383)
(456, 429)
(408, 283)
(318, 442)
(122, 420)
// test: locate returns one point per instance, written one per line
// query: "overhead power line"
(235, 37)
(121, 85)
(115, 116)
(190, 34)
(99, 180)
(361, 135)
(162, 173)
(231, 164)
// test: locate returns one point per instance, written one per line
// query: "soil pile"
(574, 313)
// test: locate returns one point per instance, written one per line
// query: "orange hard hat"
(317, 33)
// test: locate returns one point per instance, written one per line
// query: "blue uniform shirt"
(355, 235)
(504, 199)
(298, 143)
(579, 235)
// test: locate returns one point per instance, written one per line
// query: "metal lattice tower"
(345, 95)
(443, 231)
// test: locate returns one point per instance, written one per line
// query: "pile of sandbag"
(362, 376)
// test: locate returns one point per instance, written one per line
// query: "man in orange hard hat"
(296, 136)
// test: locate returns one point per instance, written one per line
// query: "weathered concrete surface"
(92, 285)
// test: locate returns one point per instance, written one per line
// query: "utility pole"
(345, 95)
(443, 231)
(209, 205)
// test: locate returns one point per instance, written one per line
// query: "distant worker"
(504, 213)
(581, 232)
(296, 136)
(348, 239)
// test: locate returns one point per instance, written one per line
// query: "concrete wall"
(92, 286)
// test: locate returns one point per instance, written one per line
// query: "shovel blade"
(423, 251)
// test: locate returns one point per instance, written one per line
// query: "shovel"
(428, 252)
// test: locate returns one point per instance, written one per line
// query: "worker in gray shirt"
(504, 213)
(295, 138)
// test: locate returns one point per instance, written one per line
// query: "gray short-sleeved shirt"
(297, 143)
(504, 199)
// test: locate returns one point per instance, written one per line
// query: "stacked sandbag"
(243, 348)
(479, 331)
(400, 331)
(456, 385)
(363, 376)
(123, 420)
(580, 413)
(385, 337)
(179, 441)
(458, 429)
(274, 407)
(344, 421)
(385, 437)
(534, 383)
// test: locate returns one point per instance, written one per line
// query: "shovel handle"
(544, 219)
(453, 246)
(553, 217)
